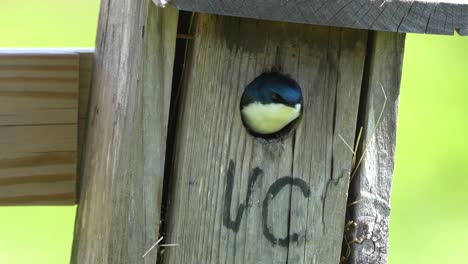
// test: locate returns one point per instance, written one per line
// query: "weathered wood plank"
(38, 127)
(372, 184)
(123, 168)
(434, 17)
(236, 199)
(321, 157)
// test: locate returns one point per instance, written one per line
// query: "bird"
(271, 105)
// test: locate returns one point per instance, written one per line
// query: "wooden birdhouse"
(159, 150)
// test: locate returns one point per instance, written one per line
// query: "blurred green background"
(429, 220)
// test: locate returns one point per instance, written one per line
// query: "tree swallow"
(270, 105)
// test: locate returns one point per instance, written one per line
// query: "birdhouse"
(218, 131)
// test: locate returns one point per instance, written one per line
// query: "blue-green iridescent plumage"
(272, 87)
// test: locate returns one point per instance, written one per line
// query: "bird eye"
(277, 99)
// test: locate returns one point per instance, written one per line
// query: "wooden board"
(434, 16)
(372, 185)
(123, 167)
(235, 199)
(38, 127)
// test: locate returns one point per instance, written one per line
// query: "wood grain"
(373, 183)
(38, 89)
(321, 157)
(123, 167)
(38, 127)
(434, 17)
(236, 199)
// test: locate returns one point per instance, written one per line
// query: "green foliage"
(48, 23)
(429, 216)
(39, 235)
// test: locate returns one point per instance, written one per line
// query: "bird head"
(270, 104)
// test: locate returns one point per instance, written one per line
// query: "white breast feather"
(269, 118)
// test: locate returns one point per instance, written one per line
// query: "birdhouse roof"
(429, 16)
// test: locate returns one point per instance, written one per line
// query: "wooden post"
(372, 186)
(123, 167)
(236, 199)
